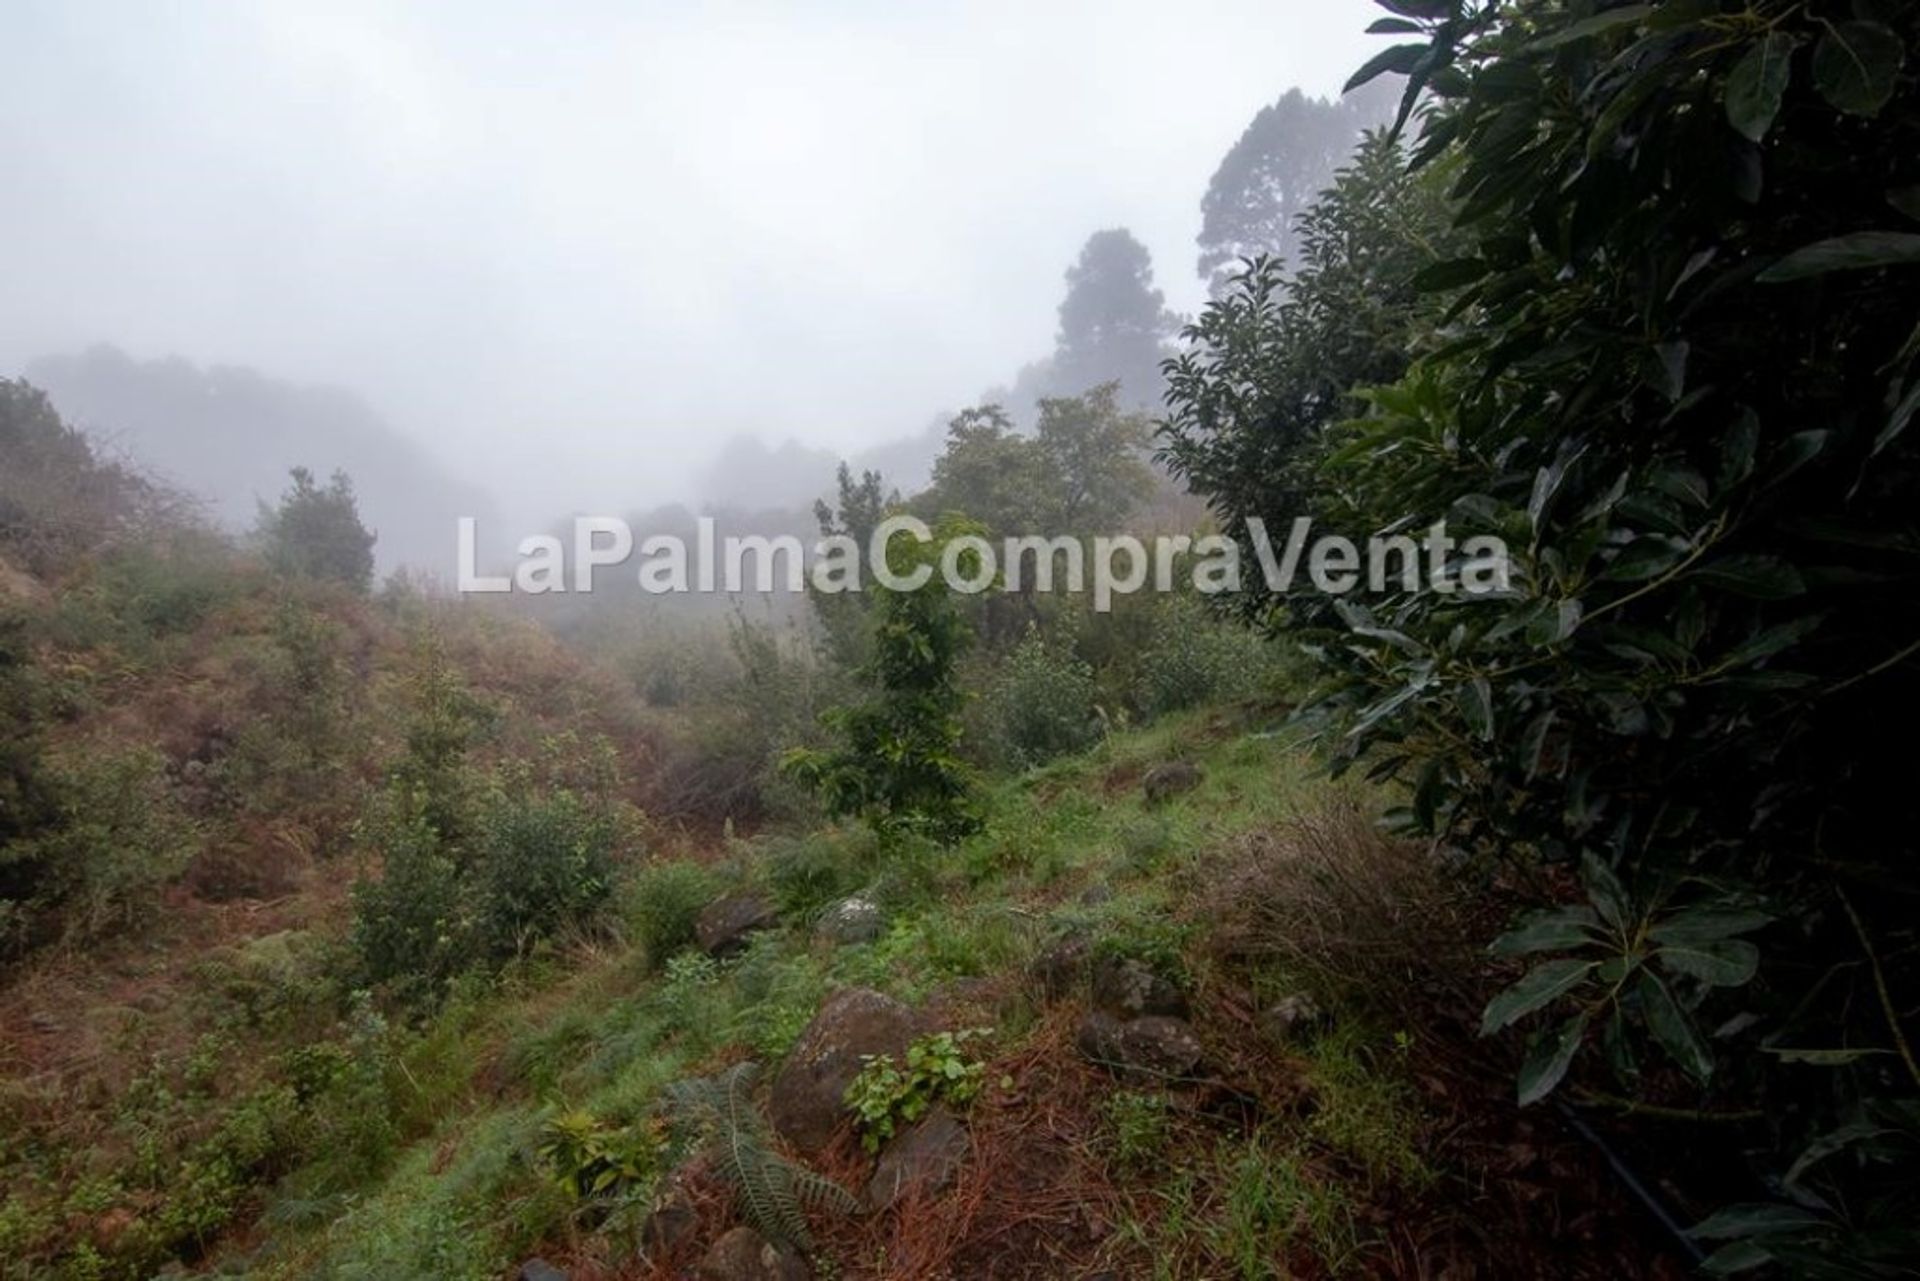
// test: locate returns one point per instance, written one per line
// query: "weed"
(1137, 1127)
(887, 1095)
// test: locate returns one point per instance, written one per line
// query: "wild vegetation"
(352, 931)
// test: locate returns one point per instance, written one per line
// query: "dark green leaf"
(1476, 704)
(1773, 640)
(1645, 558)
(1672, 1027)
(1822, 1058)
(1541, 986)
(1598, 24)
(1533, 744)
(1604, 890)
(1443, 276)
(1393, 27)
(1736, 459)
(1401, 60)
(1734, 1258)
(1753, 1219)
(1671, 358)
(1757, 84)
(1855, 66)
(1860, 251)
(1906, 200)
(1903, 413)
(1726, 962)
(1555, 930)
(1757, 576)
(1708, 924)
(1549, 1059)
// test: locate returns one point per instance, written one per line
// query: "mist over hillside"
(229, 435)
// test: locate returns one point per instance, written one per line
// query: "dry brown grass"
(1345, 909)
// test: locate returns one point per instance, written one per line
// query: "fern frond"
(773, 1191)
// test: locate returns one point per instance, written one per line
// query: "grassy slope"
(1345, 1155)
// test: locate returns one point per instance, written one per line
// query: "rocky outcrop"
(808, 1101)
(1164, 782)
(920, 1162)
(1291, 1018)
(727, 923)
(1150, 1050)
(745, 1255)
(1129, 989)
(853, 920)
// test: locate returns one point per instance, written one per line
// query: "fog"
(571, 250)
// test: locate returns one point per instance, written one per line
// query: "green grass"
(606, 1031)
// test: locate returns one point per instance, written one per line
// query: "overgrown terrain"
(351, 930)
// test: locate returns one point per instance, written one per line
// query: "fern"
(715, 1114)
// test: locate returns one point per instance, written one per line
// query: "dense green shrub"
(315, 532)
(541, 860)
(411, 924)
(1192, 659)
(897, 765)
(1678, 383)
(1041, 702)
(117, 836)
(661, 902)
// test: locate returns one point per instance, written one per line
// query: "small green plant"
(590, 1158)
(887, 1095)
(1137, 1127)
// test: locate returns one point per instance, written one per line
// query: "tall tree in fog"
(1285, 159)
(316, 532)
(1098, 452)
(1113, 322)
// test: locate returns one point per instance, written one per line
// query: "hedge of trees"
(1645, 304)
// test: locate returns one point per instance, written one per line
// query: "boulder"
(853, 920)
(1129, 989)
(1164, 782)
(726, 923)
(670, 1223)
(919, 1162)
(1061, 967)
(808, 1103)
(540, 1270)
(745, 1255)
(1291, 1017)
(1145, 1050)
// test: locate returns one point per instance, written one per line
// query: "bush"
(117, 836)
(316, 532)
(411, 924)
(1679, 386)
(1041, 704)
(1194, 658)
(896, 764)
(541, 861)
(661, 903)
(810, 873)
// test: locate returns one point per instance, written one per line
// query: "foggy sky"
(572, 248)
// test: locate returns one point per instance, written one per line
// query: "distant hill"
(229, 434)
